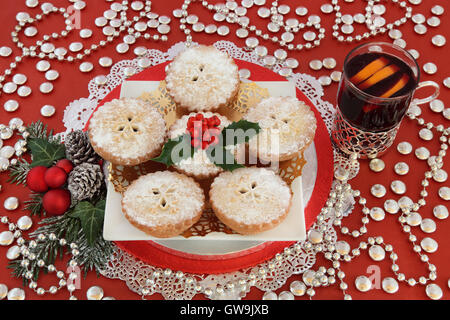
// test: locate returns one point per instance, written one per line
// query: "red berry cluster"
(204, 131)
(40, 179)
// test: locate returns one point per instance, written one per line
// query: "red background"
(72, 85)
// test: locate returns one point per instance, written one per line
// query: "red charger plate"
(160, 256)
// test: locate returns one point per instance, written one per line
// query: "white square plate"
(117, 228)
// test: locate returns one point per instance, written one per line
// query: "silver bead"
(16, 294)
(86, 67)
(391, 206)
(9, 87)
(390, 285)
(105, 62)
(440, 212)
(422, 153)
(401, 168)
(11, 203)
(377, 253)
(286, 295)
(94, 293)
(430, 68)
(437, 10)
(11, 105)
(433, 291)
(24, 223)
(43, 66)
(429, 245)
(297, 288)
(378, 190)
(24, 91)
(315, 64)
(270, 295)
(377, 165)
(398, 187)
(377, 214)
(438, 40)
(46, 87)
(444, 193)
(48, 111)
(428, 225)
(5, 51)
(51, 75)
(363, 283)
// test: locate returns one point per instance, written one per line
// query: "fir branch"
(94, 257)
(34, 205)
(18, 172)
(90, 257)
(37, 130)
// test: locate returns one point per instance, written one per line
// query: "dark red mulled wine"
(375, 90)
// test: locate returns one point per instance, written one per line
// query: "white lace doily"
(170, 283)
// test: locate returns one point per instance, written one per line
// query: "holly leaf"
(176, 150)
(91, 218)
(223, 158)
(239, 132)
(45, 153)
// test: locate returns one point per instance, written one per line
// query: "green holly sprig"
(219, 154)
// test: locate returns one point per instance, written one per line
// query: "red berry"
(197, 133)
(214, 140)
(207, 136)
(216, 121)
(199, 117)
(190, 122)
(65, 164)
(35, 179)
(205, 145)
(55, 177)
(211, 122)
(196, 143)
(56, 201)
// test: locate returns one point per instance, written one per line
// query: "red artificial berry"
(207, 136)
(196, 143)
(205, 145)
(216, 121)
(65, 164)
(35, 179)
(214, 140)
(199, 117)
(55, 177)
(190, 123)
(211, 122)
(56, 201)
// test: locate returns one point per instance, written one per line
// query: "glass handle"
(430, 98)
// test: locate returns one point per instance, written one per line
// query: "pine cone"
(85, 181)
(79, 149)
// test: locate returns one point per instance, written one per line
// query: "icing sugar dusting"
(251, 195)
(288, 125)
(202, 78)
(128, 128)
(163, 198)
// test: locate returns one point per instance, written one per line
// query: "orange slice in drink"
(378, 76)
(396, 87)
(369, 70)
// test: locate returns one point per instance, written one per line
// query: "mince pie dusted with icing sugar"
(250, 200)
(127, 131)
(202, 78)
(199, 166)
(163, 204)
(288, 127)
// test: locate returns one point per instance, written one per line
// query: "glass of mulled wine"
(376, 89)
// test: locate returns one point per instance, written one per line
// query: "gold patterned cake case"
(250, 94)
